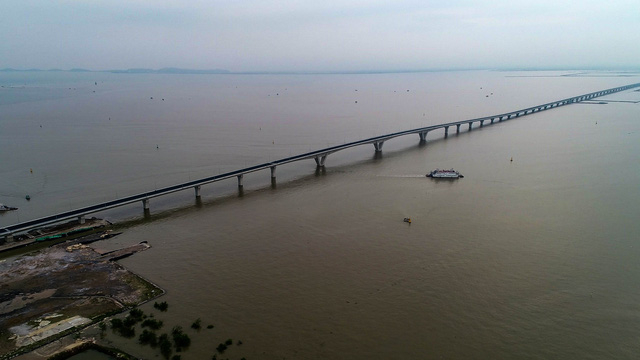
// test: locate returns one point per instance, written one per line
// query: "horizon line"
(175, 70)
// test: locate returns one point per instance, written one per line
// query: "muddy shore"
(51, 292)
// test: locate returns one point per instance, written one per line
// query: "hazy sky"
(318, 35)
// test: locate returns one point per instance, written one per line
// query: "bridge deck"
(377, 140)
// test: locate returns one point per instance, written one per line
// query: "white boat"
(444, 174)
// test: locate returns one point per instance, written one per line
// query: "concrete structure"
(319, 156)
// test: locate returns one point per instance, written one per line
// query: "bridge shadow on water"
(320, 173)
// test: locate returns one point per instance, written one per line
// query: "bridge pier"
(423, 136)
(378, 145)
(81, 219)
(320, 160)
(470, 125)
(458, 128)
(446, 131)
(197, 190)
(481, 123)
(8, 237)
(492, 120)
(145, 204)
(273, 177)
(240, 178)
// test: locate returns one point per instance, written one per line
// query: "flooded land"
(53, 291)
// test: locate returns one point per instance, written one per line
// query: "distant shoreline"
(353, 72)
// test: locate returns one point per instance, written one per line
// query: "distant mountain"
(170, 71)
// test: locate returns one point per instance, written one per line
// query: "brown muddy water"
(531, 258)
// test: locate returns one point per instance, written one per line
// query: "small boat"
(4, 207)
(407, 220)
(444, 174)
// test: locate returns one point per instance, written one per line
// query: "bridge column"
(378, 145)
(240, 178)
(145, 204)
(81, 219)
(423, 136)
(446, 131)
(458, 128)
(273, 177)
(197, 190)
(320, 160)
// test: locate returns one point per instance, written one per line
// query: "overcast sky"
(319, 35)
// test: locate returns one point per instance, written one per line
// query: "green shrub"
(221, 348)
(148, 337)
(128, 332)
(165, 345)
(129, 321)
(152, 324)
(180, 339)
(163, 306)
(136, 314)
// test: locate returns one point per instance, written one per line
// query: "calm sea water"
(535, 258)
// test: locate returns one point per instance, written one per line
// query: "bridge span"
(319, 156)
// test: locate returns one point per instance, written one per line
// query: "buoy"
(28, 197)
(511, 158)
(31, 170)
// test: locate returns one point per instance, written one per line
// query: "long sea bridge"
(319, 156)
